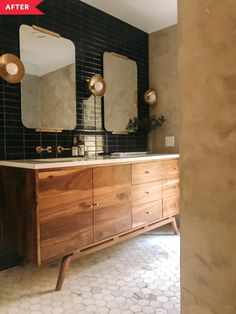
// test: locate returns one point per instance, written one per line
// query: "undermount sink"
(128, 154)
(113, 155)
(56, 159)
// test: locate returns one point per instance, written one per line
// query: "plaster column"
(207, 69)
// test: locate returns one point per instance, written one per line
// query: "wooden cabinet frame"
(69, 212)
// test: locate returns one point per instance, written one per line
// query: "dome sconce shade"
(97, 85)
(12, 69)
(150, 97)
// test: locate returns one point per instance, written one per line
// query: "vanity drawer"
(147, 172)
(171, 168)
(171, 188)
(147, 192)
(143, 214)
(170, 206)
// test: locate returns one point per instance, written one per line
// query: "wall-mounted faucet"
(40, 149)
(61, 149)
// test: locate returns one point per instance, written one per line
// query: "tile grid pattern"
(140, 275)
(93, 32)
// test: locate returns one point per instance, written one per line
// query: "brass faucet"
(40, 149)
(61, 149)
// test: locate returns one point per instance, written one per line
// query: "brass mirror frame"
(11, 78)
(96, 78)
(148, 94)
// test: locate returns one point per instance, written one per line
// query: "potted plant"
(147, 124)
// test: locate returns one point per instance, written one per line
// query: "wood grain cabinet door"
(65, 211)
(112, 200)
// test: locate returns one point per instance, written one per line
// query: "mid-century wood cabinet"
(73, 211)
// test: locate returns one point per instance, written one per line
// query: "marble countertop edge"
(86, 161)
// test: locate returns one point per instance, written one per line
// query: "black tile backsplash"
(93, 32)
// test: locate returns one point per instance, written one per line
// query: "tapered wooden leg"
(63, 270)
(174, 225)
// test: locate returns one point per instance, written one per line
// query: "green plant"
(146, 124)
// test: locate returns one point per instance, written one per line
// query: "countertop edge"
(30, 164)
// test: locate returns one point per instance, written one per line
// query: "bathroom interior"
(104, 145)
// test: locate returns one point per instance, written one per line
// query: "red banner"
(20, 7)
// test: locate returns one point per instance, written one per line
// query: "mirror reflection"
(120, 99)
(48, 90)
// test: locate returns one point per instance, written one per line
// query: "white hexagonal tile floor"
(140, 275)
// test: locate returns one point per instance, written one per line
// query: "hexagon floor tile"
(140, 275)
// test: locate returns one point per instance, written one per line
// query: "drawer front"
(147, 192)
(171, 169)
(146, 213)
(171, 188)
(147, 172)
(170, 207)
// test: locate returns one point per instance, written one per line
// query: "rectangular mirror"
(48, 90)
(120, 100)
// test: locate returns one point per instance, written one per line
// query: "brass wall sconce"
(12, 69)
(97, 85)
(150, 97)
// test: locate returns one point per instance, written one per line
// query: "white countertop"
(50, 163)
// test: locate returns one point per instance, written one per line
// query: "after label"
(29, 7)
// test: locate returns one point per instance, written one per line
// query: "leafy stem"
(146, 124)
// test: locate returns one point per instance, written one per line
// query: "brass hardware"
(119, 55)
(90, 205)
(49, 130)
(120, 132)
(150, 97)
(40, 149)
(97, 85)
(12, 69)
(61, 149)
(45, 31)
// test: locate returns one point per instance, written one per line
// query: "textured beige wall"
(208, 155)
(163, 47)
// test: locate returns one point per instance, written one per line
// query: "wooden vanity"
(68, 211)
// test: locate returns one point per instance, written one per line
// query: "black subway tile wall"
(93, 32)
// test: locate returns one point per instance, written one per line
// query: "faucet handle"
(49, 149)
(61, 149)
(40, 149)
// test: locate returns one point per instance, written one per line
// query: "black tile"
(93, 32)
